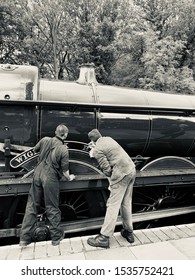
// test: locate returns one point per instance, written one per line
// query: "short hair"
(61, 130)
(94, 135)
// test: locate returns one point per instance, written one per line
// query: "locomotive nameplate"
(23, 158)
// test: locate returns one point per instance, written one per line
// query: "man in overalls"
(53, 163)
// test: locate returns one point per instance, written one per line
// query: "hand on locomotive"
(53, 163)
(116, 164)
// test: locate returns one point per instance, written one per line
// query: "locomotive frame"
(165, 182)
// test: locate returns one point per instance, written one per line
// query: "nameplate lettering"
(23, 158)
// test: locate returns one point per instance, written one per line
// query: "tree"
(49, 32)
(12, 34)
(155, 49)
(96, 30)
(162, 72)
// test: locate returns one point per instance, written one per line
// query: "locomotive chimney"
(87, 74)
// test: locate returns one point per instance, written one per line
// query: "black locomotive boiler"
(156, 129)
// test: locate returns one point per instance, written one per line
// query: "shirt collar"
(98, 139)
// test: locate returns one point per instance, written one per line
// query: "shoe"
(128, 235)
(24, 243)
(99, 241)
(57, 242)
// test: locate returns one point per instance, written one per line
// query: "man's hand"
(68, 176)
(71, 177)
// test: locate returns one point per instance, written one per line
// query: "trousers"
(44, 185)
(120, 199)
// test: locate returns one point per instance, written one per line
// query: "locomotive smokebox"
(18, 82)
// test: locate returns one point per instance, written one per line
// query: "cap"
(94, 135)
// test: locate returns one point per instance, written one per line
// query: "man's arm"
(65, 166)
(103, 162)
(37, 147)
(68, 176)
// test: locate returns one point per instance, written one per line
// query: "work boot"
(57, 242)
(99, 241)
(24, 243)
(128, 235)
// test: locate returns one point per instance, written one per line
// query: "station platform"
(164, 243)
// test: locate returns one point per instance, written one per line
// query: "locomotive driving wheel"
(163, 197)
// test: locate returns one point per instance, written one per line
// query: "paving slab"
(160, 234)
(40, 250)
(4, 252)
(73, 256)
(185, 229)
(179, 232)
(65, 247)
(14, 253)
(142, 237)
(114, 243)
(150, 234)
(186, 246)
(52, 251)
(169, 231)
(157, 251)
(76, 244)
(121, 253)
(28, 252)
(191, 227)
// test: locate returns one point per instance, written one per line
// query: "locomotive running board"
(171, 178)
(96, 223)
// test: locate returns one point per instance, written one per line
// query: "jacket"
(113, 160)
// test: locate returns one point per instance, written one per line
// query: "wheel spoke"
(79, 197)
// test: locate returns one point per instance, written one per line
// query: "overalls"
(46, 183)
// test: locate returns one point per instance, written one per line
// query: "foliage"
(165, 49)
(135, 43)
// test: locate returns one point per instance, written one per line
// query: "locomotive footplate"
(20, 186)
(181, 179)
(168, 177)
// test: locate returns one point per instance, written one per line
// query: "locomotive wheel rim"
(184, 160)
(162, 198)
(93, 168)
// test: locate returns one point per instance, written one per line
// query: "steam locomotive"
(156, 129)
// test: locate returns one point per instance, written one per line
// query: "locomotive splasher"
(156, 129)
